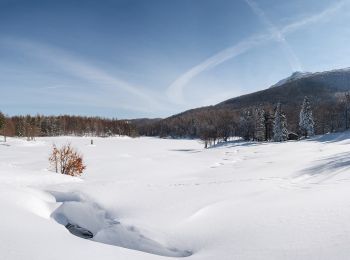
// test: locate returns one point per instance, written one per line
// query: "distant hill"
(318, 86)
(324, 90)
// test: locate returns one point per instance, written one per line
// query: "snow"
(300, 75)
(295, 75)
(149, 198)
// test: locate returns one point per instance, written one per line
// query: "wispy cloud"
(83, 70)
(176, 89)
(53, 87)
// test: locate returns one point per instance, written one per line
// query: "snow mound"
(86, 219)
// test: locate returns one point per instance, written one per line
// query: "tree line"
(40, 125)
(262, 122)
(259, 122)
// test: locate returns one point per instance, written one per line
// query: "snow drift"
(150, 198)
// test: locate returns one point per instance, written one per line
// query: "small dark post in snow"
(92, 141)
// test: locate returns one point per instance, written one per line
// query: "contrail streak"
(291, 56)
(327, 13)
(176, 89)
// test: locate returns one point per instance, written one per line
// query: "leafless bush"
(67, 160)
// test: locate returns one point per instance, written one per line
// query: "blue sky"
(154, 58)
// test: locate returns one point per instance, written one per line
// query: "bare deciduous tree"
(2, 122)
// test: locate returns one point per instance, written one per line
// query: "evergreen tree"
(260, 124)
(284, 126)
(306, 121)
(280, 132)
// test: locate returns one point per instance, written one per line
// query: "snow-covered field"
(149, 198)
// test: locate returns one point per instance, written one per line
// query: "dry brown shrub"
(67, 160)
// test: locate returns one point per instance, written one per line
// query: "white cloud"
(85, 71)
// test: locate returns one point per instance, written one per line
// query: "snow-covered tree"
(306, 121)
(260, 126)
(280, 132)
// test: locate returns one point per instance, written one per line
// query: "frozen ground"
(150, 198)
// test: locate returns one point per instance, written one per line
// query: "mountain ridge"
(326, 92)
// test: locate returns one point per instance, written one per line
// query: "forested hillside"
(327, 92)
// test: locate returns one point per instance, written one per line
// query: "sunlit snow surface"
(149, 198)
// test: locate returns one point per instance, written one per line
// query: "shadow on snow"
(329, 167)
